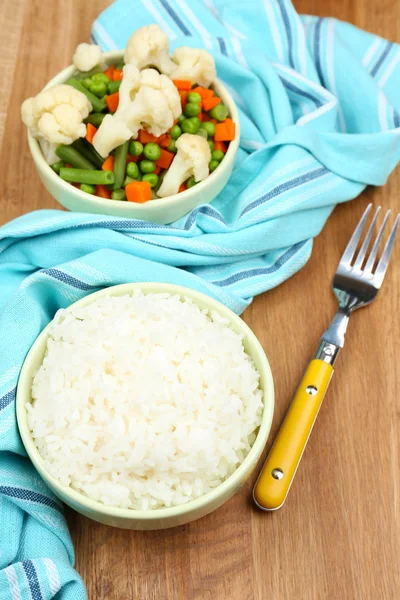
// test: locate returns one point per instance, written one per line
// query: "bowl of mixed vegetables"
(141, 133)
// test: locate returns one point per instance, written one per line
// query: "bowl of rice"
(145, 405)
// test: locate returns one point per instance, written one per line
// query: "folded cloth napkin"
(319, 110)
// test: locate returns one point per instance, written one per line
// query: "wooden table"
(337, 537)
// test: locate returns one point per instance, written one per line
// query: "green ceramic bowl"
(163, 210)
(163, 517)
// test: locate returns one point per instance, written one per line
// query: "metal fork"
(356, 284)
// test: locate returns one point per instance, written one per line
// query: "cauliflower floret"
(146, 100)
(149, 47)
(192, 158)
(87, 56)
(56, 115)
(194, 64)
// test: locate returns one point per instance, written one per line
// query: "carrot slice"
(145, 137)
(90, 131)
(225, 131)
(164, 140)
(157, 170)
(183, 94)
(182, 84)
(138, 191)
(165, 159)
(209, 103)
(108, 164)
(117, 74)
(203, 92)
(112, 101)
(130, 158)
(109, 72)
(103, 192)
(220, 146)
(182, 187)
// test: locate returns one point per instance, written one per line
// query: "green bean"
(119, 164)
(118, 194)
(71, 156)
(98, 88)
(87, 82)
(95, 119)
(113, 86)
(84, 74)
(57, 166)
(87, 176)
(97, 104)
(88, 152)
(89, 189)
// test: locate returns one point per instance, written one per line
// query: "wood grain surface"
(338, 535)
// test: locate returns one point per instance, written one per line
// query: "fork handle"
(281, 465)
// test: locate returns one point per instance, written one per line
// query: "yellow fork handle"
(280, 467)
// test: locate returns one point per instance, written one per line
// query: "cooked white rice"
(144, 401)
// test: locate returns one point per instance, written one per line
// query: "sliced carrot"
(117, 74)
(182, 84)
(112, 101)
(103, 191)
(209, 103)
(220, 146)
(77, 185)
(165, 159)
(183, 94)
(109, 72)
(213, 121)
(138, 191)
(90, 131)
(131, 158)
(164, 140)
(203, 92)
(145, 137)
(225, 131)
(157, 170)
(68, 166)
(108, 164)
(182, 187)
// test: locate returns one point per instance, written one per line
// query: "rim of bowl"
(169, 201)
(24, 395)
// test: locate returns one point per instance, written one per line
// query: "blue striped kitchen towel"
(319, 110)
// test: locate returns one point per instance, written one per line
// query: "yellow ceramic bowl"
(163, 210)
(163, 517)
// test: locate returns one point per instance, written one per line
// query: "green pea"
(203, 133)
(152, 178)
(191, 182)
(213, 165)
(209, 127)
(219, 112)
(98, 88)
(152, 151)
(87, 82)
(147, 166)
(191, 109)
(135, 148)
(211, 144)
(132, 170)
(217, 155)
(191, 125)
(181, 119)
(194, 97)
(175, 132)
(118, 194)
(130, 180)
(102, 77)
(89, 189)
(113, 86)
(172, 146)
(57, 166)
